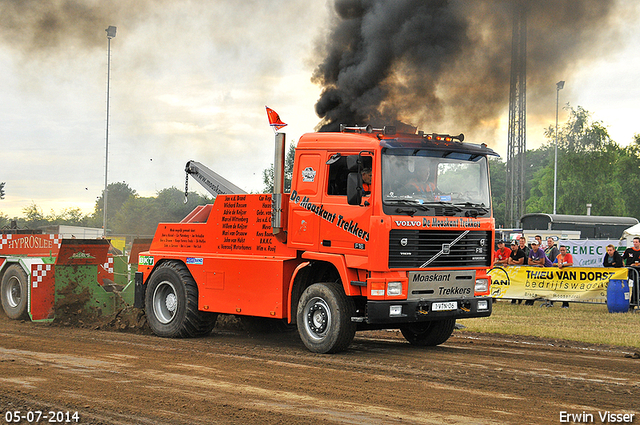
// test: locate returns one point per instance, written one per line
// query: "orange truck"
(380, 230)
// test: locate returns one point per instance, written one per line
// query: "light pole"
(111, 33)
(559, 86)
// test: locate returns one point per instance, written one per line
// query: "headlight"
(483, 305)
(394, 289)
(482, 285)
(395, 310)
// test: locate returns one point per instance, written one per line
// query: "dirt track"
(234, 377)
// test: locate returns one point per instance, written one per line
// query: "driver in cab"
(366, 181)
(420, 184)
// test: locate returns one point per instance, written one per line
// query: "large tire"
(324, 318)
(171, 303)
(14, 292)
(425, 334)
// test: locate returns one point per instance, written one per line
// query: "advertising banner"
(583, 284)
(588, 253)
(31, 245)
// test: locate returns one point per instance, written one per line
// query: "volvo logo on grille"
(482, 242)
(446, 248)
(403, 241)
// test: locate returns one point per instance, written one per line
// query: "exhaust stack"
(278, 188)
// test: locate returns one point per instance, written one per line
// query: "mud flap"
(42, 292)
(138, 299)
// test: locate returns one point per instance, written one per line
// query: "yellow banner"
(550, 283)
(118, 242)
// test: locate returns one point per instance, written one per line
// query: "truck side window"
(338, 173)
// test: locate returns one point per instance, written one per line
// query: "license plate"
(450, 305)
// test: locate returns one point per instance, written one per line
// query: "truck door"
(347, 229)
(305, 200)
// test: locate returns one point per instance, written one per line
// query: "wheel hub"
(171, 302)
(317, 318)
(14, 294)
(165, 302)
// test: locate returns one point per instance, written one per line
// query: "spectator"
(517, 257)
(522, 243)
(551, 251)
(612, 258)
(564, 259)
(502, 254)
(539, 239)
(537, 257)
(631, 255)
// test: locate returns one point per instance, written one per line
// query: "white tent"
(630, 233)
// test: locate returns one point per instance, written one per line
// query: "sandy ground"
(114, 376)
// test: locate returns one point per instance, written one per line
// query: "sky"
(190, 81)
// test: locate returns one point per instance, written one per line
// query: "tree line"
(128, 213)
(592, 169)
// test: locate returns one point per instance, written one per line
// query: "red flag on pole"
(274, 119)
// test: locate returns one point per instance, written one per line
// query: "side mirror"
(353, 163)
(354, 188)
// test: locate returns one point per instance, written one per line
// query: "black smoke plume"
(434, 63)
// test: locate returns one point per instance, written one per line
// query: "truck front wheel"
(171, 304)
(431, 333)
(324, 318)
(14, 290)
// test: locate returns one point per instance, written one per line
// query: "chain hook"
(186, 187)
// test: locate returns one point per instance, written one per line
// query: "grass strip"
(590, 323)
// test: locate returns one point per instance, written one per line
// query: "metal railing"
(634, 286)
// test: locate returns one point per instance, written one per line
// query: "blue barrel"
(618, 296)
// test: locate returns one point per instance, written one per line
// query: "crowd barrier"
(571, 284)
(634, 286)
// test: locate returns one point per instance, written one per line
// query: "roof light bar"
(444, 137)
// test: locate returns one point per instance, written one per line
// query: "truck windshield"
(435, 177)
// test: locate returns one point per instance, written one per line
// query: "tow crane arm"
(210, 180)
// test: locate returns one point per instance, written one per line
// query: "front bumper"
(379, 312)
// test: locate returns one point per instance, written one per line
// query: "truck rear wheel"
(431, 333)
(324, 318)
(171, 304)
(14, 291)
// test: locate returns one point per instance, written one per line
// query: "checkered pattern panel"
(38, 273)
(56, 239)
(108, 266)
(4, 240)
